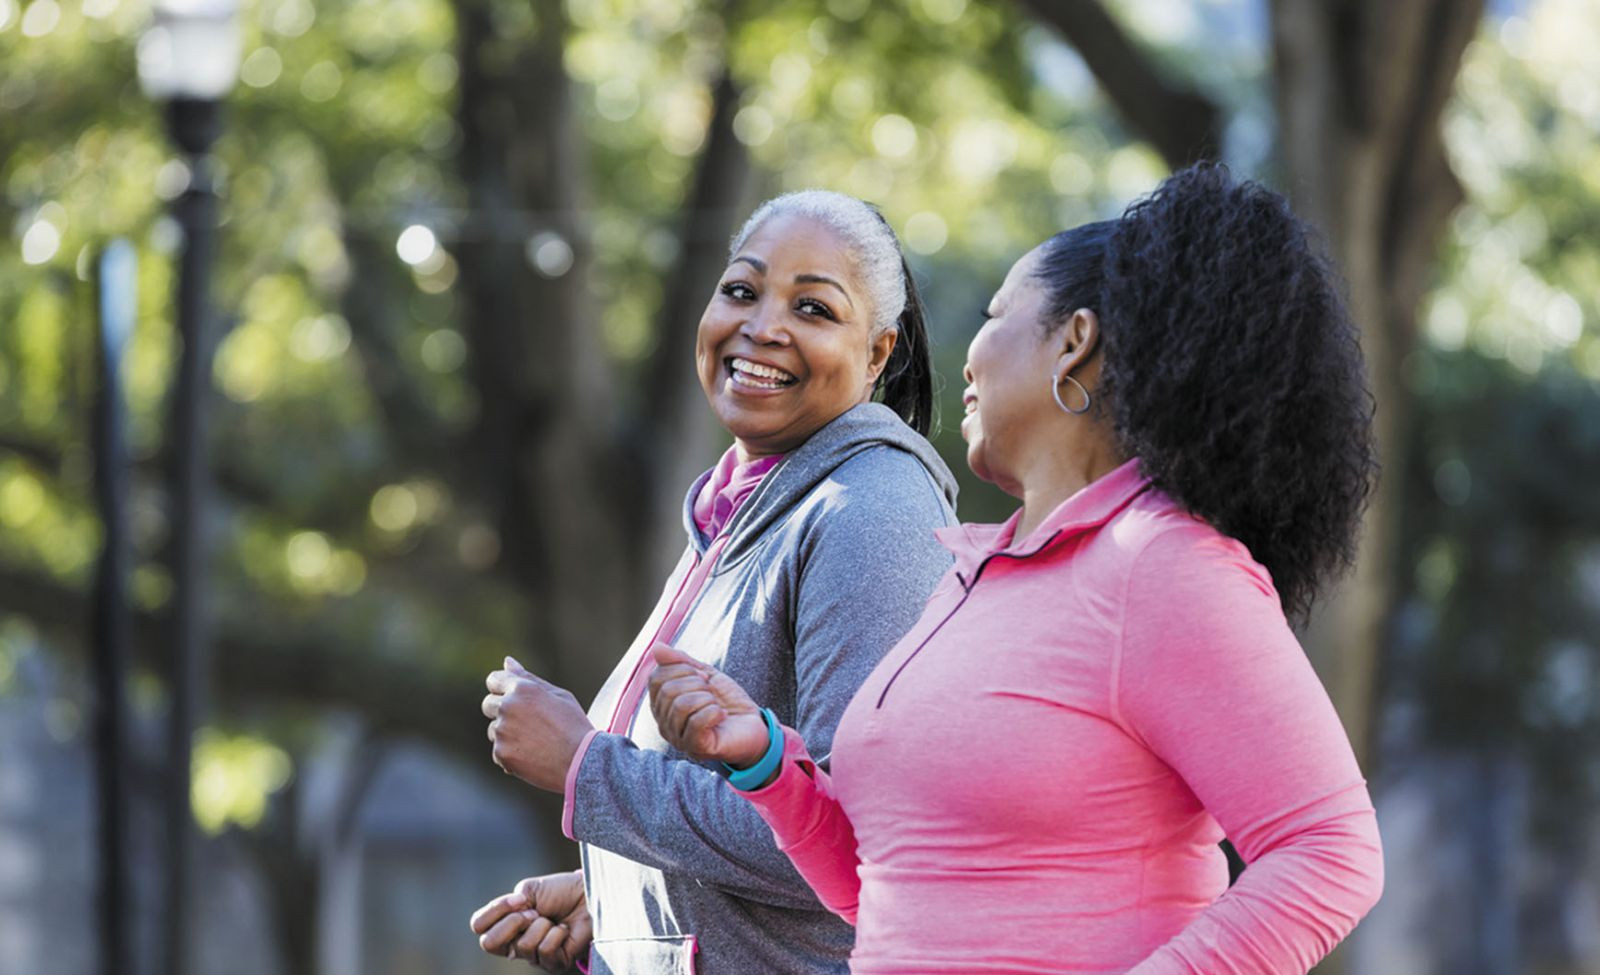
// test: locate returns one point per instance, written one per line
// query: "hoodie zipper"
(627, 706)
(966, 593)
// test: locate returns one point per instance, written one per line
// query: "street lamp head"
(191, 51)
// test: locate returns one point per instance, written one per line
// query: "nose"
(765, 326)
(966, 373)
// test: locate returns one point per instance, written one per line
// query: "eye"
(738, 291)
(812, 306)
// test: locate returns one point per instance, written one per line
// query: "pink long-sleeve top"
(1036, 778)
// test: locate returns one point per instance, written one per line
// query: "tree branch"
(1182, 124)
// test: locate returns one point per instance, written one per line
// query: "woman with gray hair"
(810, 553)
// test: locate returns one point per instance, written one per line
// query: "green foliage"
(1523, 261)
(977, 132)
(337, 516)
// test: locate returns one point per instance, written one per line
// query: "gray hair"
(872, 245)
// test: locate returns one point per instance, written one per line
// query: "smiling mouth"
(757, 376)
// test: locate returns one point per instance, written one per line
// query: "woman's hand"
(536, 726)
(703, 712)
(545, 920)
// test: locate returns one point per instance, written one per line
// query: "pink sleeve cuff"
(794, 753)
(571, 788)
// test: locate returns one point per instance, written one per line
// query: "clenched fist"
(536, 726)
(703, 712)
(545, 920)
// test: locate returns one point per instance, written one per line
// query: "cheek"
(713, 331)
(978, 351)
(836, 362)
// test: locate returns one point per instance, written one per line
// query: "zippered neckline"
(966, 593)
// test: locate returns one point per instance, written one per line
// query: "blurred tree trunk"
(1180, 122)
(1361, 87)
(541, 451)
(299, 837)
(553, 456)
(681, 437)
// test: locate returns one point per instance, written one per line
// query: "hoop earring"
(1055, 390)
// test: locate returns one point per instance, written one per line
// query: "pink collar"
(1094, 505)
(727, 487)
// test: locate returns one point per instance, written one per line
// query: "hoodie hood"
(808, 465)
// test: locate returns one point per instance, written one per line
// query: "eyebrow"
(761, 266)
(823, 279)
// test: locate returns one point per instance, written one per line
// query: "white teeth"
(750, 370)
(972, 406)
(753, 382)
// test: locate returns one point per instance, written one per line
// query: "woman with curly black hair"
(1036, 778)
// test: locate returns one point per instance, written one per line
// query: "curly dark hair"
(1231, 369)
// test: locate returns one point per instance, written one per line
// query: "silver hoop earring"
(1055, 390)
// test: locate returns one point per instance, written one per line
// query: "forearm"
(1288, 910)
(811, 828)
(680, 817)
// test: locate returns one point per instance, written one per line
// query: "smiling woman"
(814, 317)
(782, 346)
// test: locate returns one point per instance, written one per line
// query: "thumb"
(512, 665)
(666, 655)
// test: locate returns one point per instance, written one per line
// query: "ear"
(1076, 341)
(878, 353)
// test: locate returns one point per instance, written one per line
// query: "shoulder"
(1164, 552)
(875, 515)
(1197, 613)
(1191, 590)
(882, 485)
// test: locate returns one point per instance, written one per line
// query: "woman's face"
(1009, 375)
(784, 347)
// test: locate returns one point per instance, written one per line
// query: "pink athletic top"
(1036, 778)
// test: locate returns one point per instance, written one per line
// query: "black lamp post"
(189, 60)
(117, 299)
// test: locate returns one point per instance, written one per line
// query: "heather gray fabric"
(828, 563)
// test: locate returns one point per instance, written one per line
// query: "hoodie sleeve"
(1213, 681)
(866, 564)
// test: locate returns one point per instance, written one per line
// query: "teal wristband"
(748, 779)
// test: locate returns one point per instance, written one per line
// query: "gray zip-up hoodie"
(826, 565)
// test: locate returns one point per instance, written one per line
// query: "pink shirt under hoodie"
(1035, 779)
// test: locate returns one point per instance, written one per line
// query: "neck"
(1058, 476)
(748, 452)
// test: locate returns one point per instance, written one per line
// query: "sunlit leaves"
(1521, 134)
(233, 777)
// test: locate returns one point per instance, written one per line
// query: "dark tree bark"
(542, 449)
(1181, 123)
(678, 433)
(1361, 86)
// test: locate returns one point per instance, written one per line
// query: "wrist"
(765, 768)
